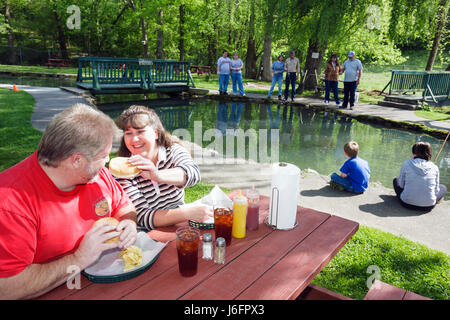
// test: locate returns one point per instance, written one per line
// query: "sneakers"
(279, 98)
(326, 103)
(351, 107)
(338, 105)
(336, 186)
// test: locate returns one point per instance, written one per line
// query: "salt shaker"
(219, 256)
(207, 246)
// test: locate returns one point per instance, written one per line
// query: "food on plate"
(113, 222)
(121, 168)
(132, 257)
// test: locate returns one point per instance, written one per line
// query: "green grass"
(402, 263)
(38, 69)
(437, 114)
(19, 138)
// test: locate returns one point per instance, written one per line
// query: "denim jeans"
(343, 182)
(223, 82)
(276, 78)
(236, 79)
(332, 85)
(290, 80)
(349, 93)
(398, 191)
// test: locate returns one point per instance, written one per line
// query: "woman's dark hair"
(333, 56)
(139, 117)
(422, 150)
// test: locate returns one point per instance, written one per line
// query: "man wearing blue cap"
(353, 71)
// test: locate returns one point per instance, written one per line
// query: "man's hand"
(357, 82)
(92, 245)
(128, 233)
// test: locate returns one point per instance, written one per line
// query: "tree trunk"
(267, 48)
(442, 17)
(143, 28)
(448, 68)
(160, 54)
(105, 35)
(250, 59)
(144, 37)
(61, 36)
(181, 40)
(12, 59)
(312, 65)
(267, 59)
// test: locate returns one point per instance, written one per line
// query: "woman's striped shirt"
(143, 193)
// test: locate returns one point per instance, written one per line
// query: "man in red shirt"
(50, 201)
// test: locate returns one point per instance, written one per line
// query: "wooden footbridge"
(128, 75)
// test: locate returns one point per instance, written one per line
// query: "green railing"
(434, 85)
(100, 73)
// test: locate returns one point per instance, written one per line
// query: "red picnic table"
(267, 264)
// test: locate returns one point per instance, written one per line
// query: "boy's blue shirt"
(358, 172)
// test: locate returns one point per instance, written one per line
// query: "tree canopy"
(198, 30)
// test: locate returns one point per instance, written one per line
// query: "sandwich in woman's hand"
(121, 168)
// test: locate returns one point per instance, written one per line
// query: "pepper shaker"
(207, 246)
(219, 256)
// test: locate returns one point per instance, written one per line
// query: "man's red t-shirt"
(40, 223)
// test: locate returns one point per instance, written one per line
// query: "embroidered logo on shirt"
(103, 207)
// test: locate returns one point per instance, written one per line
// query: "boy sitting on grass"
(355, 171)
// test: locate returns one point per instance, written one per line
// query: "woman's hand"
(199, 213)
(149, 170)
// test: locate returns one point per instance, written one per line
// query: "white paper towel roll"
(284, 195)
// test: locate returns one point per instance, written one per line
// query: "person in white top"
(417, 186)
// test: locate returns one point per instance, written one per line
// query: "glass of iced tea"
(223, 223)
(187, 247)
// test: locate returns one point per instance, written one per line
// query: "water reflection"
(228, 123)
(307, 138)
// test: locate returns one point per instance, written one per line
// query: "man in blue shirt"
(353, 71)
(355, 174)
(223, 70)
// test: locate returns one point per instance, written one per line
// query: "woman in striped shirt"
(167, 168)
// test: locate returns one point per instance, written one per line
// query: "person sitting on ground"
(355, 173)
(51, 200)
(417, 187)
(167, 168)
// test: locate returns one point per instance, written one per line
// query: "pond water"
(37, 81)
(306, 138)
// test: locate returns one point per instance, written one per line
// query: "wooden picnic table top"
(267, 264)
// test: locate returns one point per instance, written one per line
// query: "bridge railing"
(123, 72)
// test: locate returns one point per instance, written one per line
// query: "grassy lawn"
(437, 113)
(401, 262)
(19, 138)
(39, 69)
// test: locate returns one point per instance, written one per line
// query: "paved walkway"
(48, 102)
(377, 207)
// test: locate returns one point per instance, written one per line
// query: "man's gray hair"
(80, 128)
